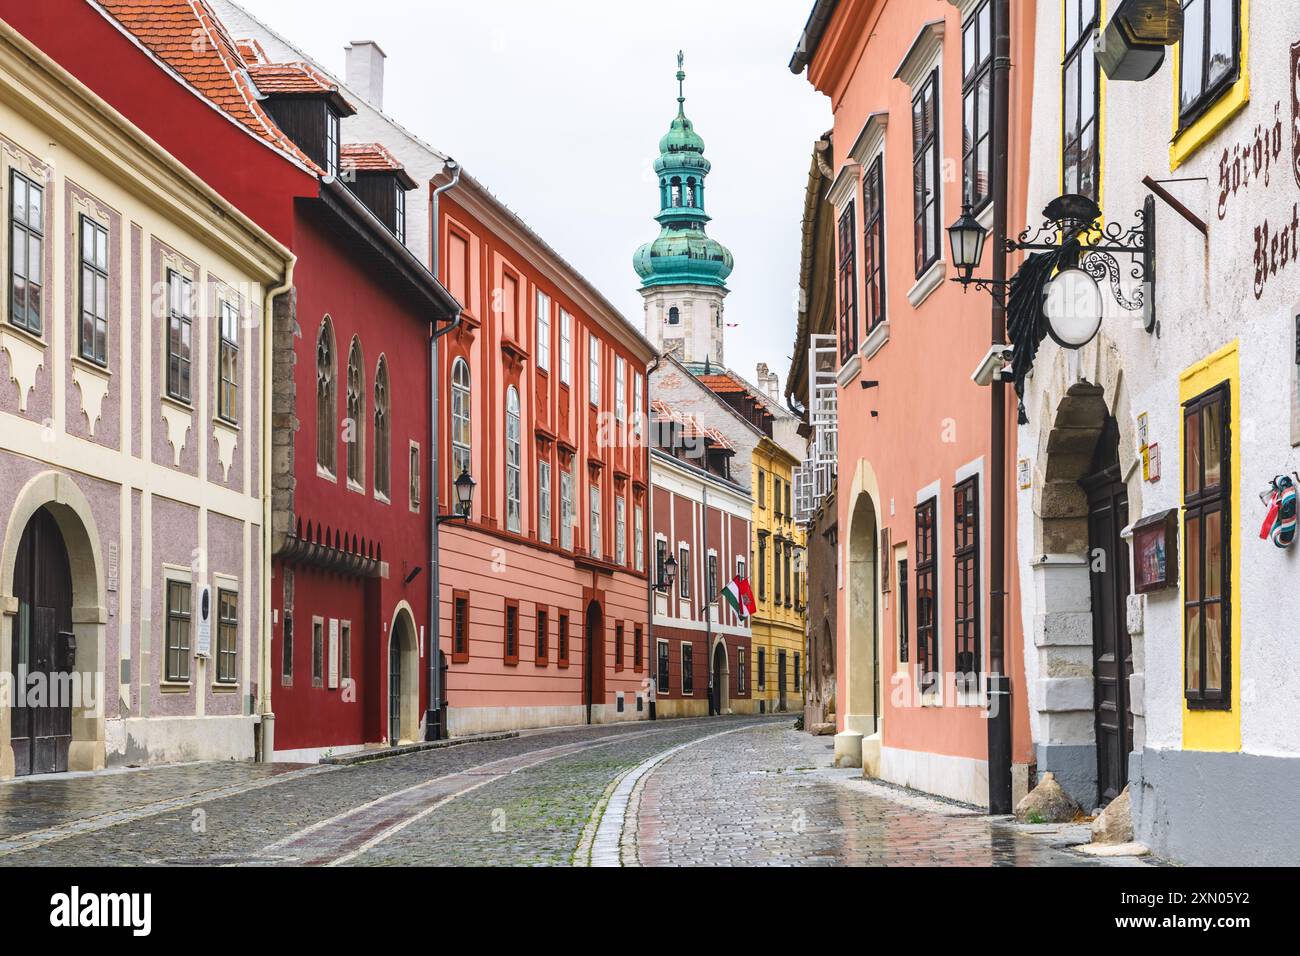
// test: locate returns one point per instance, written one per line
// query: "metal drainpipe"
(999, 684)
(652, 649)
(433, 729)
(708, 604)
(266, 715)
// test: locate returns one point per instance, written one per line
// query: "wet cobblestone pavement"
(761, 794)
(768, 797)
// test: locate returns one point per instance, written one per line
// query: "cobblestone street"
(733, 791)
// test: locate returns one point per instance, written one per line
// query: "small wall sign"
(1155, 552)
(1023, 474)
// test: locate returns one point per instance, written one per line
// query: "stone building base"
(153, 740)
(1216, 809)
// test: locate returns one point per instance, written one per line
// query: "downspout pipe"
(709, 585)
(652, 572)
(433, 729)
(999, 683)
(266, 716)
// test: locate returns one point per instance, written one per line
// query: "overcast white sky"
(558, 107)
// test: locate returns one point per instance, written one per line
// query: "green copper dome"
(683, 254)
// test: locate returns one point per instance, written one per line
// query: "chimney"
(769, 383)
(365, 71)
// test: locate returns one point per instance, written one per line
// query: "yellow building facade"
(778, 627)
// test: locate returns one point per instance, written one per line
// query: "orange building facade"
(910, 84)
(544, 589)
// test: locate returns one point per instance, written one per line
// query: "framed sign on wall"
(1155, 552)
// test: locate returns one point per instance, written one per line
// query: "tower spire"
(681, 83)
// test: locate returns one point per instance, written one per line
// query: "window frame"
(544, 500)
(543, 330)
(1074, 53)
(687, 652)
(873, 243)
(566, 348)
(399, 213)
(383, 431)
(1211, 94)
(286, 650)
(462, 422)
(99, 273)
(620, 388)
(333, 140)
(345, 651)
(927, 229)
(32, 233)
(568, 506)
(595, 516)
(179, 639)
(541, 635)
(966, 578)
(460, 626)
(227, 357)
(562, 639)
(683, 572)
(620, 530)
(620, 635)
(638, 648)
(510, 632)
(183, 322)
(513, 462)
(227, 643)
(904, 635)
(1199, 504)
(638, 536)
(317, 652)
(977, 77)
(593, 370)
(847, 282)
(326, 398)
(663, 666)
(927, 615)
(355, 406)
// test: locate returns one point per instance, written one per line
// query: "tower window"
(674, 316)
(676, 192)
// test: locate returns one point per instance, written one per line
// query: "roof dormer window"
(332, 139)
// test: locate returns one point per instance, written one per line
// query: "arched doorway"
(1082, 509)
(50, 560)
(43, 650)
(862, 712)
(403, 680)
(721, 693)
(593, 660)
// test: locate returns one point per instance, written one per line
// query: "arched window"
(325, 398)
(383, 426)
(355, 427)
(513, 452)
(677, 191)
(690, 192)
(674, 316)
(460, 421)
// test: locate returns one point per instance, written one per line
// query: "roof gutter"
(813, 32)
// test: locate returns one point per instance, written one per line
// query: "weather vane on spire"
(681, 79)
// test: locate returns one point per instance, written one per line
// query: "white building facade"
(1159, 627)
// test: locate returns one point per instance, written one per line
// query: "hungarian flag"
(739, 596)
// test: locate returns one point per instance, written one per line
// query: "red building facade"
(349, 423)
(702, 655)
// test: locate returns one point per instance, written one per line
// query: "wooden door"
(44, 650)
(1112, 647)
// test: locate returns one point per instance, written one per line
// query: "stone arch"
(1082, 391)
(860, 699)
(403, 639)
(60, 495)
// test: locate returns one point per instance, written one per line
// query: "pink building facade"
(913, 489)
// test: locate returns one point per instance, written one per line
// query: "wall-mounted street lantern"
(668, 575)
(1070, 254)
(1132, 45)
(464, 487)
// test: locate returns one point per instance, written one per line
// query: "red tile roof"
(188, 37)
(690, 425)
(373, 158)
(297, 77)
(252, 51)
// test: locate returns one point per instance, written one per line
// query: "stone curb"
(366, 756)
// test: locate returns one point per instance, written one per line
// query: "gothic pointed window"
(383, 436)
(325, 397)
(355, 428)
